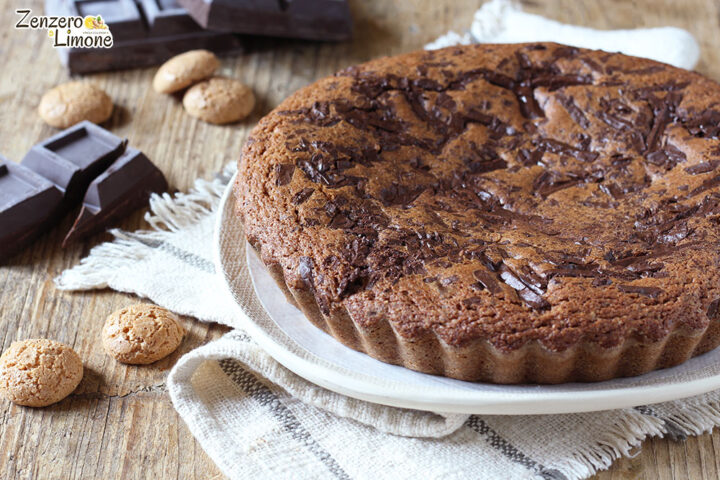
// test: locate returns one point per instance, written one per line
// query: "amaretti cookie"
(73, 102)
(219, 100)
(184, 70)
(497, 213)
(141, 334)
(39, 372)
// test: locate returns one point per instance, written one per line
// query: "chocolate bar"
(55, 174)
(27, 203)
(50, 180)
(122, 189)
(145, 32)
(74, 157)
(307, 19)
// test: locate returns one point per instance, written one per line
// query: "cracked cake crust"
(502, 213)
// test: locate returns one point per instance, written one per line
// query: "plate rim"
(496, 403)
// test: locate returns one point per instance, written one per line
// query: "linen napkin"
(502, 21)
(257, 419)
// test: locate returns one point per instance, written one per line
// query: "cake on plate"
(529, 213)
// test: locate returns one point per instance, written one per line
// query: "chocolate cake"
(498, 213)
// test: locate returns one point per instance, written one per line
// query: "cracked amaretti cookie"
(498, 213)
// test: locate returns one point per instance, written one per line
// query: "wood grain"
(120, 422)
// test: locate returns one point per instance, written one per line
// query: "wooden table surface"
(120, 423)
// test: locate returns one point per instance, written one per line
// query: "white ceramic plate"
(294, 342)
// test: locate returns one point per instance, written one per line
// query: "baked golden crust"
(504, 213)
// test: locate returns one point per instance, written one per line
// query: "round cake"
(530, 213)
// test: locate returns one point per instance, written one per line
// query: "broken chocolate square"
(74, 157)
(122, 189)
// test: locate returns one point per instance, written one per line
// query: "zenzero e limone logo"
(69, 31)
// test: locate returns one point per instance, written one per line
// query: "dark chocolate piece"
(27, 203)
(307, 19)
(302, 195)
(651, 292)
(74, 157)
(122, 16)
(167, 17)
(704, 167)
(284, 173)
(123, 188)
(145, 33)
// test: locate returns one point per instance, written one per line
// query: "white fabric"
(258, 420)
(502, 21)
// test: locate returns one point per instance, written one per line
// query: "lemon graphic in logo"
(94, 23)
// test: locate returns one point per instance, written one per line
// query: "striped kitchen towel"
(257, 419)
